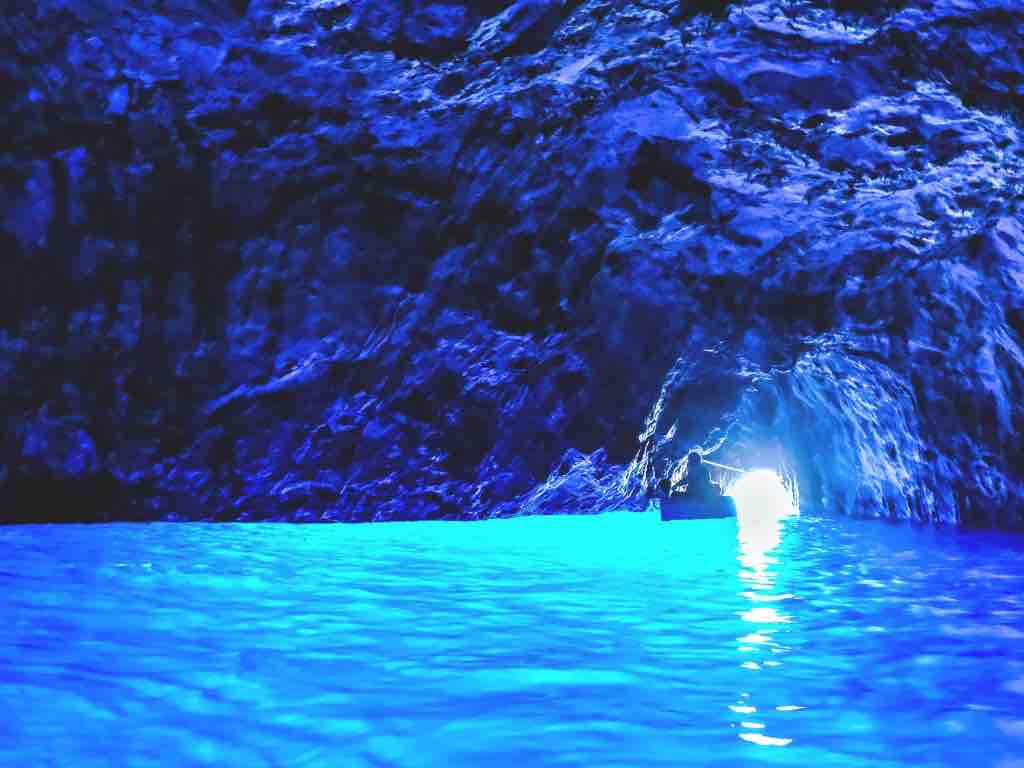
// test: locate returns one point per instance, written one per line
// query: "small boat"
(683, 507)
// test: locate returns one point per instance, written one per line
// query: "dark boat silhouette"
(683, 507)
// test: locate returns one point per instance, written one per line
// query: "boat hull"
(684, 508)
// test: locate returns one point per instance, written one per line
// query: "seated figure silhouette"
(698, 478)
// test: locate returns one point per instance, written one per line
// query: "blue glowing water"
(613, 640)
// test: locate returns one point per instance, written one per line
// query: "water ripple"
(607, 640)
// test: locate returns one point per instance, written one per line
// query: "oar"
(723, 466)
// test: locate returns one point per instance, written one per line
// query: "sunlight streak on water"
(763, 504)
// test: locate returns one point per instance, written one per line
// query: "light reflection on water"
(762, 507)
(589, 641)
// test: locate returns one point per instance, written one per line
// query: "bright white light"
(761, 493)
(762, 501)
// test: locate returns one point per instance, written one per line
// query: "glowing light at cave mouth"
(762, 493)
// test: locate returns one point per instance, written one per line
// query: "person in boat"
(664, 488)
(661, 489)
(698, 478)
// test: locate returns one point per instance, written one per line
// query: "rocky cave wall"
(351, 260)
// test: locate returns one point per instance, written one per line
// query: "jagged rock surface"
(352, 260)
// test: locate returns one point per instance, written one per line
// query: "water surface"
(611, 640)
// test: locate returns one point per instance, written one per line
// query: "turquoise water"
(611, 640)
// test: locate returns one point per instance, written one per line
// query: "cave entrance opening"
(764, 499)
(764, 493)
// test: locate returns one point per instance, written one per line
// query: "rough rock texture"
(361, 260)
